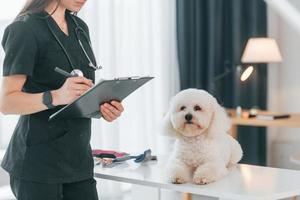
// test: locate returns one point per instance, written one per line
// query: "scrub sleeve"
(20, 48)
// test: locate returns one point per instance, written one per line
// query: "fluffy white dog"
(204, 151)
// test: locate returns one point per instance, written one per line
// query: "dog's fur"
(204, 151)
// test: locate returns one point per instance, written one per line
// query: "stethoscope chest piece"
(77, 72)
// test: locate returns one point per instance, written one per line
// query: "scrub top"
(39, 150)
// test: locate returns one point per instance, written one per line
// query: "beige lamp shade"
(261, 50)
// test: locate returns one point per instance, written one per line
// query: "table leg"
(233, 131)
(159, 193)
(187, 196)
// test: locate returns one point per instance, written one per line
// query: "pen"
(63, 72)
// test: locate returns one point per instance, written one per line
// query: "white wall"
(283, 90)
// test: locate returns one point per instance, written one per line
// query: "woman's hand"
(111, 111)
(73, 88)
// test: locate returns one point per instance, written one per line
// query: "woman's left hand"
(111, 111)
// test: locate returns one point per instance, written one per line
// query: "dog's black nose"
(188, 117)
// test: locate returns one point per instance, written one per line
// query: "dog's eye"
(182, 108)
(197, 108)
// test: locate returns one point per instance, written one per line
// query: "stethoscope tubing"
(78, 29)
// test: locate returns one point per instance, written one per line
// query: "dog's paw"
(202, 180)
(178, 180)
(209, 173)
(178, 173)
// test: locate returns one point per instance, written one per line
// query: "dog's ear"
(220, 122)
(167, 127)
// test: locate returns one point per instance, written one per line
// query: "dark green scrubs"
(42, 151)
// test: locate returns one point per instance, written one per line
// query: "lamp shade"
(261, 50)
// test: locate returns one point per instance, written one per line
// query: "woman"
(49, 160)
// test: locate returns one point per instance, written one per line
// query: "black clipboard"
(87, 105)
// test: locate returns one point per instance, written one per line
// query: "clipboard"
(88, 105)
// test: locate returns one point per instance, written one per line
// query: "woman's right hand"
(73, 88)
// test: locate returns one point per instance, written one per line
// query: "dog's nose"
(188, 117)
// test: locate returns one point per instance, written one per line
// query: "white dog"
(204, 151)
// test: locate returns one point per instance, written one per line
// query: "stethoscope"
(78, 31)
